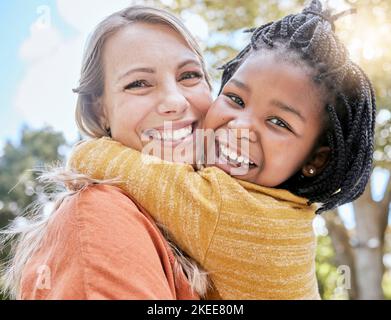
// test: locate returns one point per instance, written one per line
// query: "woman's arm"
(186, 202)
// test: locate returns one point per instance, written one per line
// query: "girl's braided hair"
(350, 106)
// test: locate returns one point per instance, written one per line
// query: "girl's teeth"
(232, 156)
(167, 135)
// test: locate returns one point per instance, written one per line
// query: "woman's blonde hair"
(27, 236)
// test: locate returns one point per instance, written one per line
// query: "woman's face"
(155, 92)
(275, 109)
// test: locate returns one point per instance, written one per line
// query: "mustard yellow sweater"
(256, 242)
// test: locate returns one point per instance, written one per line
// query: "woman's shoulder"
(101, 210)
(99, 245)
(100, 197)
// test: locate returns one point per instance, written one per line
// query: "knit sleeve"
(185, 202)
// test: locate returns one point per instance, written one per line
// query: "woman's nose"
(172, 102)
(243, 128)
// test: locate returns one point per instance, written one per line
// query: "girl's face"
(152, 79)
(282, 111)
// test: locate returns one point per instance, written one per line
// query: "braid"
(350, 111)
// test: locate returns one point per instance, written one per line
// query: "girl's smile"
(233, 152)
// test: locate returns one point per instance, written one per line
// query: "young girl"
(310, 114)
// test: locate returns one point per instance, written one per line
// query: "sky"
(17, 31)
(42, 46)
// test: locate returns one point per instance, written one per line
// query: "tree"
(18, 186)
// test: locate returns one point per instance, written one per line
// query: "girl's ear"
(317, 163)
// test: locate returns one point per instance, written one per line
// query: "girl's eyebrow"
(285, 107)
(240, 84)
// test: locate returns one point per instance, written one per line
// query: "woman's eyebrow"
(285, 107)
(141, 69)
(151, 70)
(189, 61)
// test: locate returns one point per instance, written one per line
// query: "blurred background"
(41, 49)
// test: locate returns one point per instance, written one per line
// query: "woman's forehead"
(146, 43)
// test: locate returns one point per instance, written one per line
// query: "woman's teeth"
(233, 157)
(172, 135)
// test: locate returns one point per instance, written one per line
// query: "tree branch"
(387, 197)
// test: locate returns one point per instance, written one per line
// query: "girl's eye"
(236, 99)
(279, 123)
(190, 75)
(137, 84)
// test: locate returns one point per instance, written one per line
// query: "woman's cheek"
(129, 117)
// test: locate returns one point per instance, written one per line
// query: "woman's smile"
(171, 134)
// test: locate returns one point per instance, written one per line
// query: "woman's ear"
(318, 162)
(103, 114)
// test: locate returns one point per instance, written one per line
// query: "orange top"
(99, 245)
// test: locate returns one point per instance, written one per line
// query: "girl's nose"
(172, 102)
(243, 128)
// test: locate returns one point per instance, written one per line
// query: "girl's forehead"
(266, 76)
(259, 63)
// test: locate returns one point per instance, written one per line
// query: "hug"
(298, 116)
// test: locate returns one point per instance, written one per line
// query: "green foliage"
(326, 270)
(18, 187)
(226, 21)
(387, 285)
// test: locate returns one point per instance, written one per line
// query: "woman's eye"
(279, 123)
(137, 84)
(236, 99)
(190, 75)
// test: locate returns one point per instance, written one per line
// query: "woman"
(141, 68)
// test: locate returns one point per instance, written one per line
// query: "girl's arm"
(186, 202)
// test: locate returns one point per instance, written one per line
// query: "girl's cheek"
(202, 99)
(217, 115)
